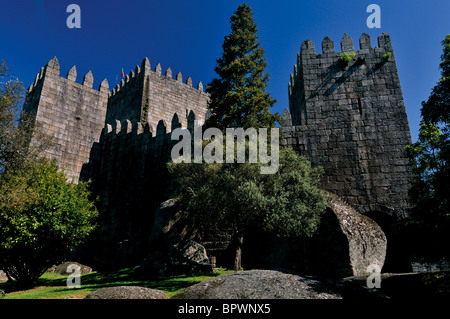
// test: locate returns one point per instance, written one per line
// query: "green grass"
(53, 286)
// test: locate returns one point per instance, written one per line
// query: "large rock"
(260, 284)
(190, 250)
(127, 292)
(366, 240)
(62, 268)
(345, 244)
(168, 226)
(183, 257)
(3, 276)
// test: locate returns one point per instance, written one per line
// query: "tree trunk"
(239, 240)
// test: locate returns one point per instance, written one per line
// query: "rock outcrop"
(365, 239)
(127, 292)
(183, 257)
(345, 244)
(63, 269)
(260, 284)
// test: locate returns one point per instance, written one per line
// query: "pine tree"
(238, 95)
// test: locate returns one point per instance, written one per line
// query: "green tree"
(436, 109)
(42, 218)
(16, 127)
(430, 186)
(232, 196)
(11, 96)
(238, 95)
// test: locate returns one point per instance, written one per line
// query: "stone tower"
(348, 116)
(148, 96)
(72, 115)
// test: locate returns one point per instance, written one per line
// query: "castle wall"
(348, 118)
(147, 96)
(168, 96)
(72, 115)
(126, 100)
(131, 179)
(351, 120)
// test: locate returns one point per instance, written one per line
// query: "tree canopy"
(232, 196)
(42, 218)
(238, 94)
(430, 187)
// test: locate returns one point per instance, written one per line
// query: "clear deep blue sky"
(187, 35)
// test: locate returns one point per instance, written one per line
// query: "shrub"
(346, 57)
(42, 217)
(387, 56)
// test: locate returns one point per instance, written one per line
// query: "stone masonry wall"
(131, 180)
(71, 114)
(126, 99)
(147, 96)
(104, 136)
(350, 119)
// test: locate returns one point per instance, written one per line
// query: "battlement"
(384, 43)
(346, 114)
(157, 71)
(71, 114)
(329, 54)
(52, 70)
(147, 96)
(127, 127)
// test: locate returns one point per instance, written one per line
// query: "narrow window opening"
(360, 106)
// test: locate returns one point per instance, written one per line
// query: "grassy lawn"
(53, 286)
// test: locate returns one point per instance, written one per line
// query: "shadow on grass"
(123, 277)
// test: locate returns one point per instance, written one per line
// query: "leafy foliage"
(42, 217)
(430, 187)
(15, 135)
(437, 108)
(346, 57)
(231, 196)
(238, 95)
(11, 95)
(387, 56)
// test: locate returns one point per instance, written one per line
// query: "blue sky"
(187, 36)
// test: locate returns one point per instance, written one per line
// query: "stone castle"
(347, 116)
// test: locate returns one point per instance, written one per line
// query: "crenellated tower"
(71, 114)
(347, 114)
(148, 96)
